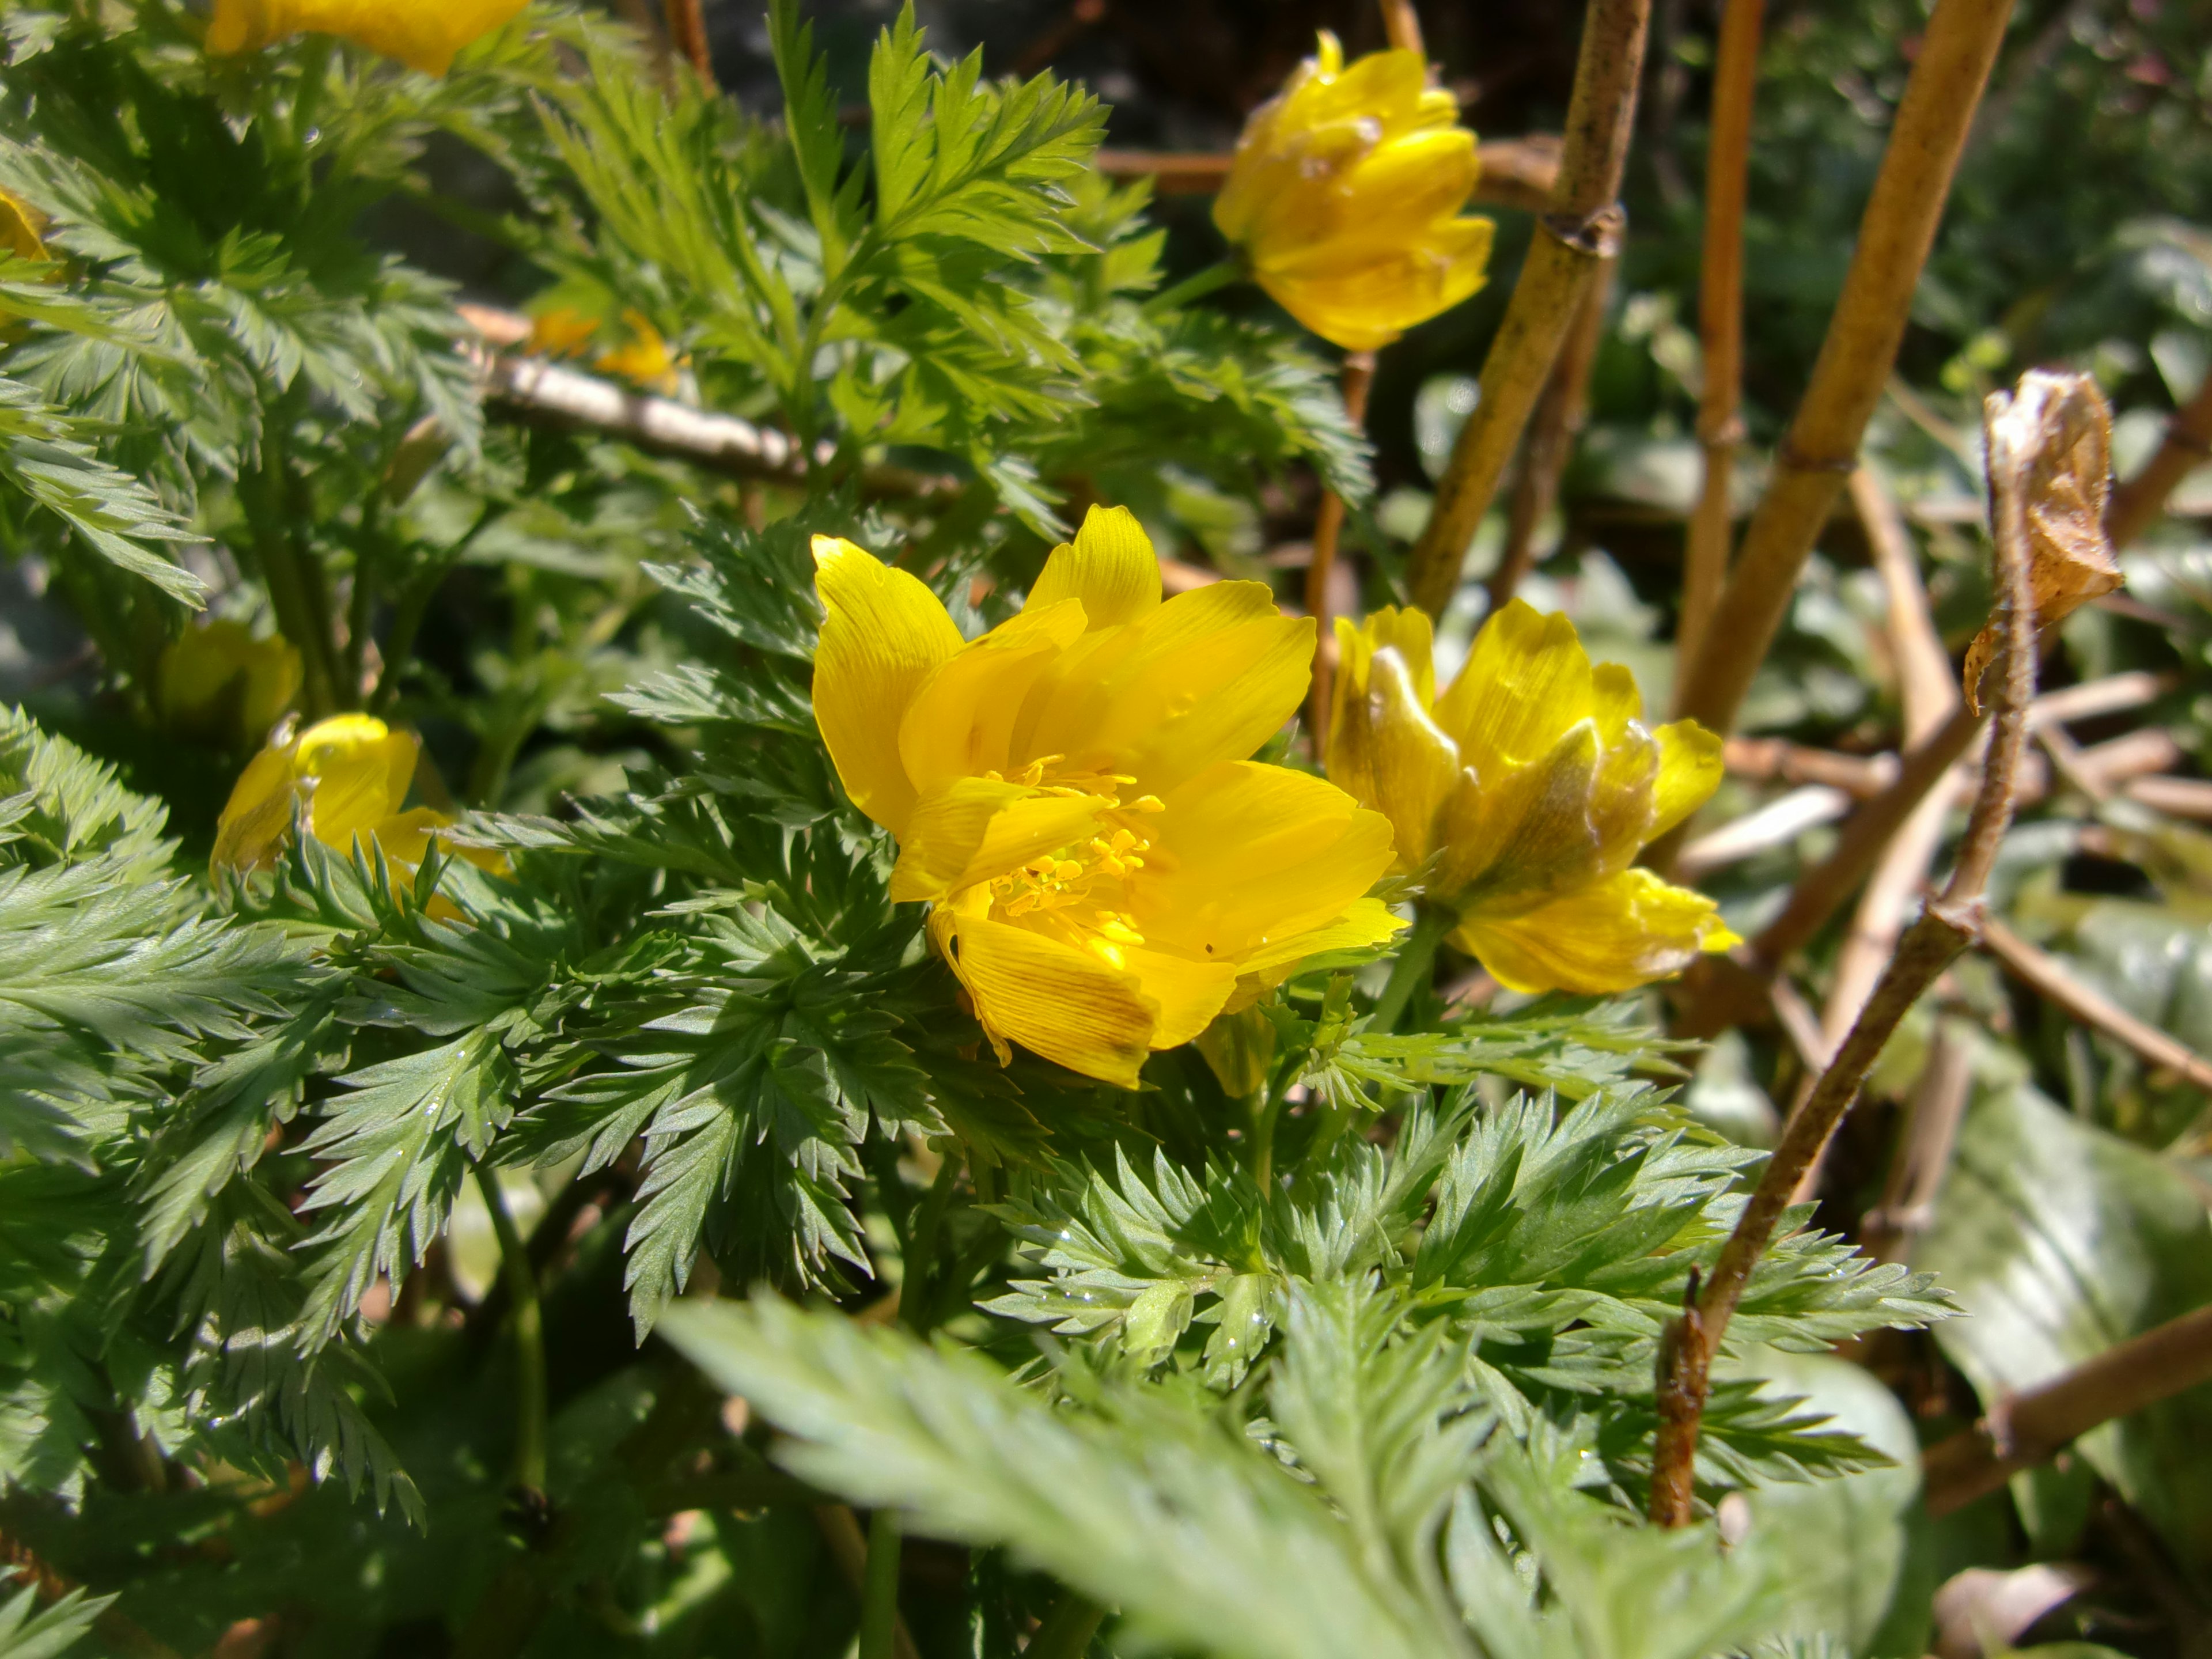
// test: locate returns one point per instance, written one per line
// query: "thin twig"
(687, 31)
(2048, 976)
(1581, 231)
(1552, 430)
(1329, 523)
(2141, 501)
(2030, 1428)
(1917, 1168)
(1817, 454)
(2014, 431)
(1402, 24)
(1720, 323)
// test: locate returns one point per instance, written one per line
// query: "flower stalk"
(1415, 966)
(529, 1336)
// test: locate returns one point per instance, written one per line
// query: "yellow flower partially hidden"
(218, 683)
(422, 35)
(640, 354)
(1345, 198)
(352, 772)
(1522, 795)
(23, 227)
(1106, 869)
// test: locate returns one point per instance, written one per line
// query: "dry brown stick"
(1581, 231)
(2141, 501)
(2048, 976)
(1923, 1147)
(1329, 523)
(1930, 693)
(1552, 430)
(1402, 24)
(1817, 454)
(2014, 432)
(2028, 1428)
(1720, 323)
(687, 31)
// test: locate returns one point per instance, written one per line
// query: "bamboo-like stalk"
(1720, 324)
(1401, 23)
(1552, 430)
(1328, 525)
(1581, 232)
(2138, 504)
(1945, 929)
(1895, 234)
(687, 32)
(2029, 1428)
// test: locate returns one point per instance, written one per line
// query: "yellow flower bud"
(23, 227)
(219, 683)
(1345, 198)
(1520, 797)
(640, 354)
(1106, 871)
(422, 35)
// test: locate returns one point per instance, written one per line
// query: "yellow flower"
(1106, 869)
(1522, 795)
(1345, 198)
(219, 683)
(642, 356)
(422, 35)
(23, 227)
(352, 771)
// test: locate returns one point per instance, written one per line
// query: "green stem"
(529, 1337)
(917, 1297)
(879, 1592)
(1264, 1106)
(1416, 962)
(1066, 1630)
(1194, 287)
(261, 493)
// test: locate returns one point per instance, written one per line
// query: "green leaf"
(27, 1633)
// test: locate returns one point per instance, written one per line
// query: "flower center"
(1076, 887)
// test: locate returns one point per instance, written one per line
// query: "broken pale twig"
(2030, 1428)
(1580, 232)
(1720, 324)
(2015, 429)
(1777, 824)
(1822, 444)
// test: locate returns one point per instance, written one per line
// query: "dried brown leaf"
(2062, 423)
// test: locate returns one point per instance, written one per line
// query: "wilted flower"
(352, 772)
(422, 35)
(219, 683)
(1107, 872)
(1522, 797)
(1345, 198)
(640, 354)
(23, 227)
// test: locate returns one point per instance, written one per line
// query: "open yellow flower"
(219, 683)
(352, 772)
(1107, 870)
(1522, 795)
(1345, 198)
(422, 35)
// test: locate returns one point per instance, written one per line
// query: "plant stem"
(1720, 322)
(687, 30)
(1328, 522)
(2138, 504)
(1581, 232)
(880, 1615)
(1066, 1630)
(1416, 963)
(1945, 929)
(1924, 1145)
(266, 495)
(1194, 287)
(1401, 25)
(2049, 977)
(1551, 432)
(1895, 234)
(916, 1294)
(529, 1337)
(1263, 1106)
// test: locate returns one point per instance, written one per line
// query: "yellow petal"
(884, 635)
(1368, 298)
(1689, 771)
(1209, 676)
(1110, 566)
(23, 227)
(1188, 993)
(1518, 838)
(360, 771)
(217, 681)
(961, 723)
(978, 828)
(1368, 921)
(1613, 936)
(423, 34)
(1053, 999)
(258, 815)
(1386, 750)
(1245, 856)
(1527, 681)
